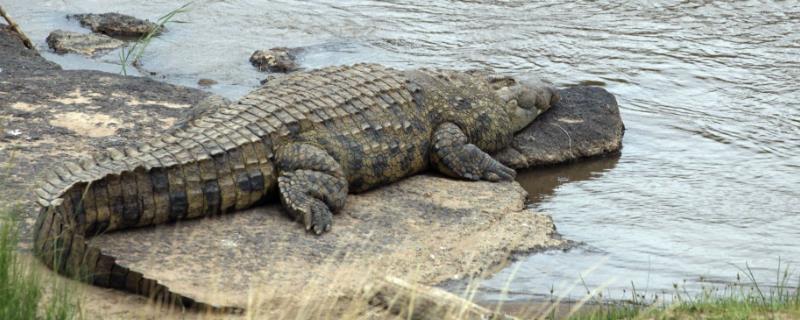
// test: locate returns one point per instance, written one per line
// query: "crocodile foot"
(455, 157)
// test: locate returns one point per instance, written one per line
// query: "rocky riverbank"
(426, 229)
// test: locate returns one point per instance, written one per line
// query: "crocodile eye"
(500, 81)
(506, 94)
(512, 104)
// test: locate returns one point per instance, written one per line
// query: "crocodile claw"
(319, 218)
(496, 171)
(472, 163)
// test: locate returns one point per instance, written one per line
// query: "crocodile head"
(524, 99)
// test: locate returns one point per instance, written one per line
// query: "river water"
(709, 177)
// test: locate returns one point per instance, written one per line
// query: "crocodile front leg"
(453, 155)
(312, 185)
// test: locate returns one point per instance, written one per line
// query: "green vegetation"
(23, 292)
(740, 300)
(131, 55)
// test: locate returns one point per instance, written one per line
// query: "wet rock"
(115, 24)
(82, 43)
(206, 82)
(585, 122)
(279, 59)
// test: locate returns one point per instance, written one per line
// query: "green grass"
(746, 299)
(24, 294)
(132, 55)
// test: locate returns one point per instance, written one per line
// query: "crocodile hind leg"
(453, 155)
(312, 185)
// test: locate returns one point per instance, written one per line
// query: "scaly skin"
(309, 138)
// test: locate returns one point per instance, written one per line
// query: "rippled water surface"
(709, 177)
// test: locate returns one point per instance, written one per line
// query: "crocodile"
(307, 139)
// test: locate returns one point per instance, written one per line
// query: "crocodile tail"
(124, 190)
(68, 252)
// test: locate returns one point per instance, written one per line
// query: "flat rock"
(585, 122)
(115, 24)
(82, 43)
(425, 228)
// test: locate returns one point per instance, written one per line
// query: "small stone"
(279, 59)
(206, 82)
(115, 24)
(82, 43)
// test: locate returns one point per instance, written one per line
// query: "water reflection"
(541, 183)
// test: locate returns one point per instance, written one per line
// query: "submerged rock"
(82, 43)
(584, 123)
(206, 82)
(279, 59)
(115, 24)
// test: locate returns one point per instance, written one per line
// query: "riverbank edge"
(53, 115)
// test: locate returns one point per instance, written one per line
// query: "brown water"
(709, 178)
